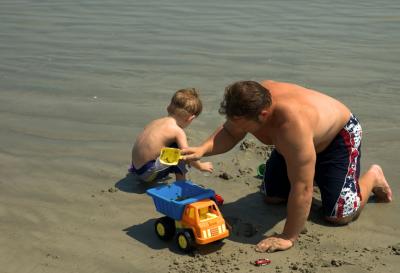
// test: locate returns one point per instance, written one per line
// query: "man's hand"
(274, 243)
(192, 153)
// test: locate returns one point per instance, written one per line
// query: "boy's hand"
(192, 153)
(206, 167)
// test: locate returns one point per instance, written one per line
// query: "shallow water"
(79, 79)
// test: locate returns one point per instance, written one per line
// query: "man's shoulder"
(263, 82)
(284, 114)
(277, 84)
(267, 83)
(289, 123)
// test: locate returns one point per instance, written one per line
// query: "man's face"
(244, 124)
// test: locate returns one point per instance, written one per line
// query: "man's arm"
(300, 160)
(297, 147)
(222, 140)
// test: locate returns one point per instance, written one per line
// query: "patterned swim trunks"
(155, 170)
(337, 171)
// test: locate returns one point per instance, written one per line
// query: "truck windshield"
(208, 213)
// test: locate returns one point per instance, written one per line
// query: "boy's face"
(188, 120)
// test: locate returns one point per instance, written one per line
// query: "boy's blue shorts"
(155, 170)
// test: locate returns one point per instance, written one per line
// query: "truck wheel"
(185, 241)
(165, 228)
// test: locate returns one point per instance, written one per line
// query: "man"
(316, 138)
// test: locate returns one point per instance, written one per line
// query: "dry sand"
(102, 221)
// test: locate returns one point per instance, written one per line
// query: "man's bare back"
(325, 116)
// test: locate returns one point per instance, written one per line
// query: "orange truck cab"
(205, 221)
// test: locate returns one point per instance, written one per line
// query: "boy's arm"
(202, 166)
(182, 143)
(180, 137)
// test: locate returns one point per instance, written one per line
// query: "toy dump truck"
(190, 213)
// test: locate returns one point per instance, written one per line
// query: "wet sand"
(103, 222)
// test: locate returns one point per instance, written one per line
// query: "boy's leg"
(179, 170)
(180, 176)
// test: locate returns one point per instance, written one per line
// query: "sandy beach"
(80, 79)
(103, 221)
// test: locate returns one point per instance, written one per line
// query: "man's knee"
(340, 221)
(274, 200)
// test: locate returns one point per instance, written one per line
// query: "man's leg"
(373, 181)
(337, 175)
(276, 184)
(274, 200)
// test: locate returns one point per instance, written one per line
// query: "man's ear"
(190, 118)
(263, 115)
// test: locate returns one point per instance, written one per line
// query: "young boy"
(167, 132)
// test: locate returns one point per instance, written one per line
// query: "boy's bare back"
(157, 134)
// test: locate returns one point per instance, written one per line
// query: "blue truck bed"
(171, 199)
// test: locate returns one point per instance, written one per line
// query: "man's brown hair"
(245, 99)
(185, 101)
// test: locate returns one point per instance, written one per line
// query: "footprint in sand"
(241, 228)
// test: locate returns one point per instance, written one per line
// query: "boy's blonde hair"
(185, 102)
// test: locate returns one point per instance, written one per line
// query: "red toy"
(218, 199)
(261, 262)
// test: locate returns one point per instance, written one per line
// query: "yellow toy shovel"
(170, 156)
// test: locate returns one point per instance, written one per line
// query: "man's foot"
(382, 190)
